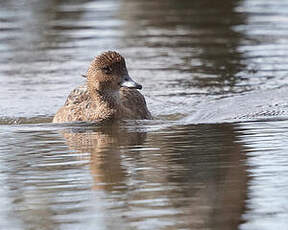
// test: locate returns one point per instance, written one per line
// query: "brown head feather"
(108, 58)
(106, 71)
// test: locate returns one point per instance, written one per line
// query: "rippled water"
(214, 76)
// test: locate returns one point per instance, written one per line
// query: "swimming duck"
(108, 94)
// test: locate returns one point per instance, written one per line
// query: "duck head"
(108, 72)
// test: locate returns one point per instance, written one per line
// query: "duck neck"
(106, 98)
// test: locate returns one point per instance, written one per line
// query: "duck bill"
(129, 83)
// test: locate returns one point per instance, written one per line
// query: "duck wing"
(77, 96)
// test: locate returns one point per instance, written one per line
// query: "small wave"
(25, 120)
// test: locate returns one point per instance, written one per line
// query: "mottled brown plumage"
(109, 94)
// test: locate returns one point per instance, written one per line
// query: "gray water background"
(205, 162)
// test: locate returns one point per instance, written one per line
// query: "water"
(214, 77)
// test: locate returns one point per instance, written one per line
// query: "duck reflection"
(195, 174)
(104, 145)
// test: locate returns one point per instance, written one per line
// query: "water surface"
(214, 77)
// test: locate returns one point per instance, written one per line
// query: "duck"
(109, 93)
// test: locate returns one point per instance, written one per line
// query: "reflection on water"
(158, 180)
(197, 60)
(268, 184)
(200, 36)
(102, 147)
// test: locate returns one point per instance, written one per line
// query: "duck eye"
(107, 69)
